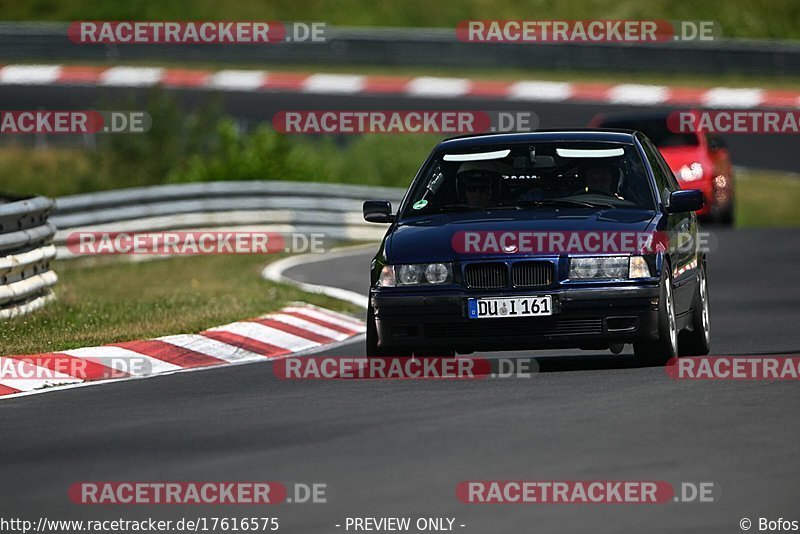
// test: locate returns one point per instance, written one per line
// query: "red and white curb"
(294, 330)
(422, 86)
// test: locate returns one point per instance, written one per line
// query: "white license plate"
(509, 307)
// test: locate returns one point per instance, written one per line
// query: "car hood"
(430, 238)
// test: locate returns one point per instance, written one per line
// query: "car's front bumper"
(584, 318)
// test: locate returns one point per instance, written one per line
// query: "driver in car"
(600, 179)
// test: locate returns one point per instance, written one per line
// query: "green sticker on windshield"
(418, 205)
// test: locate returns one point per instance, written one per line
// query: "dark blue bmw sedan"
(557, 239)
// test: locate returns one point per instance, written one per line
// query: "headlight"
(584, 267)
(436, 273)
(415, 274)
(408, 275)
(690, 173)
(609, 267)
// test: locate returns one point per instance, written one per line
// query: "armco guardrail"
(275, 206)
(434, 47)
(25, 255)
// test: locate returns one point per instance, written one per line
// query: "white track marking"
(638, 94)
(438, 87)
(238, 80)
(342, 316)
(212, 347)
(274, 272)
(21, 369)
(325, 317)
(128, 361)
(536, 90)
(722, 97)
(131, 76)
(313, 328)
(334, 83)
(92, 383)
(110, 356)
(266, 334)
(30, 74)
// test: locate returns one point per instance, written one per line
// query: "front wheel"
(659, 351)
(372, 348)
(698, 341)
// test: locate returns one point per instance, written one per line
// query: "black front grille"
(486, 275)
(531, 326)
(532, 273)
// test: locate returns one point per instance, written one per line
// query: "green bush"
(264, 154)
(203, 145)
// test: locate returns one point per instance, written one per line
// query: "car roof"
(577, 134)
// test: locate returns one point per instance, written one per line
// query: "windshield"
(533, 176)
(656, 130)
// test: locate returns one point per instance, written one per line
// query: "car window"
(586, 175)
(672, 182)
(661, 175)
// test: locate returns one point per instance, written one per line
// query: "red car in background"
(699, 160)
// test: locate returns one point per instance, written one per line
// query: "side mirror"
(378, 211)
(685, 201)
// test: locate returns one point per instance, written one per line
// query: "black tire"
(659, 351)
(372, 349)
(697, 342)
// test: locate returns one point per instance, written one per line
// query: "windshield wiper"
(564, 202)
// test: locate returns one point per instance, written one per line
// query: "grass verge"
(767, 199)
(120, 301)
(775, 19)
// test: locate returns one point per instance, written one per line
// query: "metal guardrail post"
(25, 254)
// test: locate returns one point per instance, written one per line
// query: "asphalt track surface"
(399, 448)
(777, 152)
